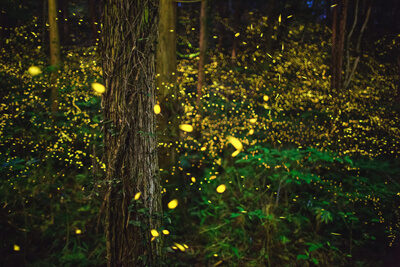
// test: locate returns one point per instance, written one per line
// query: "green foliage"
(311, 186)
(50, 208)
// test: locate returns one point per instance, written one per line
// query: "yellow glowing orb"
(154, 233)
(157, 109)
(186, 127)
(98, 87)
(137, 196)
(221, 188)
(33, 70)
(173, 204)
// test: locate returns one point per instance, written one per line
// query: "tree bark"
(203, 50)
(130, 31)
(338, 37)
(236, 20)
(93, 21)
(65, 22)
(168, 123)
(1, 26)
(351, 70)
(272, 16)
(55, 53)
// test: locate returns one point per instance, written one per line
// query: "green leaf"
(302, 257)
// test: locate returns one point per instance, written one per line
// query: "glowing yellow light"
(165, 232)
(251, 131)
(98, 87)
(203, 148)
(137, 196)
(280, 18)
(33, 70)
(193, 179)
(78, 231)
(181, 248)
(157, 109)
(237, 34)
(154, 233)
(186, 127)
(266, 98)
(17, 248)
(236, 143)
(172, 204)
(253, 120)
(221, 188)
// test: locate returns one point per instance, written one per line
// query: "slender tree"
(65, 22)
(1, 25)
(203, 49)
(236, 20)
(351, 68)
(55, 52)
(166, 83)
(130, 30)
(272, 16)
(338, 38)
(93, 21)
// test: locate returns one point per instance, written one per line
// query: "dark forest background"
(278, 134)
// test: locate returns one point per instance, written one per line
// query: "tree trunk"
(338, 37)
(1, 26)
(350, 70)
(93, 21)
(168, 123)
(272, 16)
(236, 20)
(130, 32)
(65, 22)
(203, 49)
(55, 53)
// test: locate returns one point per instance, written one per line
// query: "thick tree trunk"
(130, 31)
(55, 53)
(167, 95)
(203, 49)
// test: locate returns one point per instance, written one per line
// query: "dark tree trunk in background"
(168, 123)
(65, 22)
(166, 49)
(221, 7)
(203, 49)
(328, 12)
(236, 20)
(338, 37)
(351, 66)
(93, 21)
(1, 26)
(130, 31)
(55, 53)
(271, 15)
